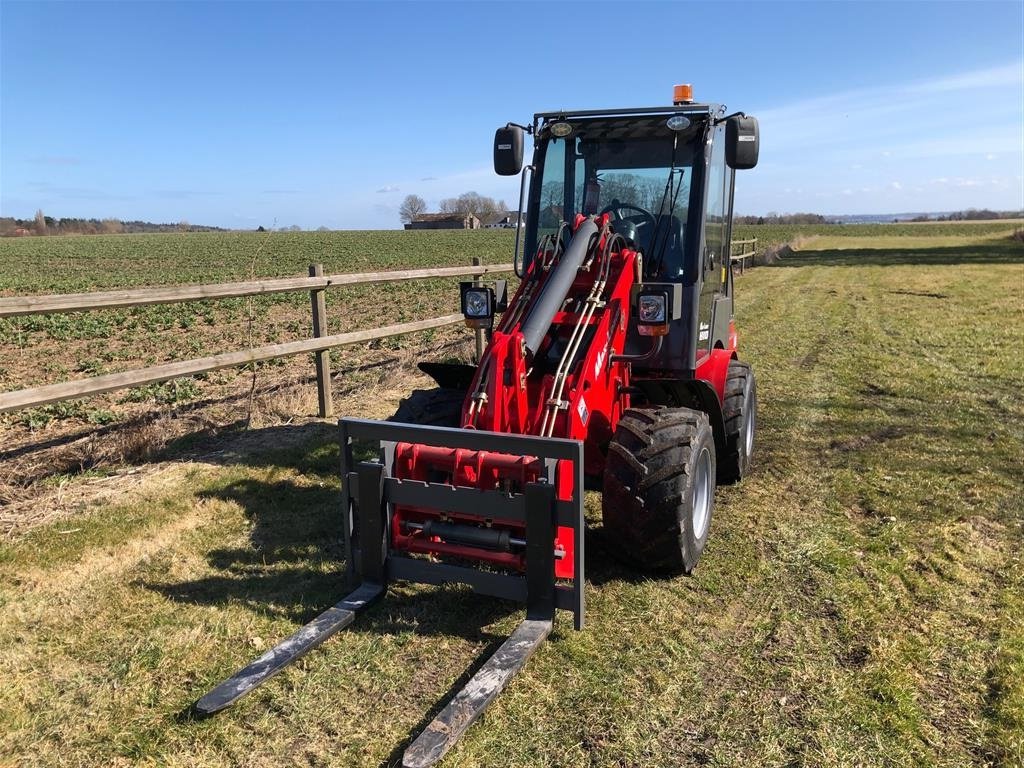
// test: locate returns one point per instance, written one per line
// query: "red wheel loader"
(614, 365)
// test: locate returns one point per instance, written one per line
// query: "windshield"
(641, 175)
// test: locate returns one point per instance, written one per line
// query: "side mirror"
(508, 150)
(741, 142)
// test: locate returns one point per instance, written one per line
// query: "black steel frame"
(367, 490)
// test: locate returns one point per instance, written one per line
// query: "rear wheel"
(659, 487)
(740, 413)
(438, 407)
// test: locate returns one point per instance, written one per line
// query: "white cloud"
(1009, 74)
(895, 185)
(388, 188)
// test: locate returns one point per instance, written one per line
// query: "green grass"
(52, 348)
(860, 602)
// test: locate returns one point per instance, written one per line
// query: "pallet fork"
(368, 489)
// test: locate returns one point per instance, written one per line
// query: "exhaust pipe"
(556, 288)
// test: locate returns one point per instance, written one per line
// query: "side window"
(715, 210)
(715, 233)
(726, 266)
(552, 191)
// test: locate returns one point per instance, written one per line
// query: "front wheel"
(659, 487)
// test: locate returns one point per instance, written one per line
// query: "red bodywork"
(513, 394)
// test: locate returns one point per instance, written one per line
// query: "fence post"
(479, 332)
(323, 359)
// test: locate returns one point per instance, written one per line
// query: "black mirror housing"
(741, 142)
(508, 150)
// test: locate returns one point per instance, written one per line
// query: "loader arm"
(552, 369)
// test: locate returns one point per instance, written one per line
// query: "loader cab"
(638, 170)
(666, 177)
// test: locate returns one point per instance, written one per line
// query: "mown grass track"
(861, 601)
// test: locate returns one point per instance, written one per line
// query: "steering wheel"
(616, 208)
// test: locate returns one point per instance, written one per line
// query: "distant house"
(21, 232)
(444, 221)
(508, 220)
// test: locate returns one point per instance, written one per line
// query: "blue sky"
(240, 114)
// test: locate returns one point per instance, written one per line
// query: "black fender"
(450, 375)
(687, 393)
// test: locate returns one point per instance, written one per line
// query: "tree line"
(41, 224)
(972, 214)
(785, 218)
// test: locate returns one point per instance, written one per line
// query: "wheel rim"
(748, 424)
(702, 491)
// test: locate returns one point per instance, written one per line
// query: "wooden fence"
(320, 344)
(742, 258)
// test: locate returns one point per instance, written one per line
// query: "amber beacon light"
(682, 94)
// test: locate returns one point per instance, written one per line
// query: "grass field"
(861, 600)
(51, 348)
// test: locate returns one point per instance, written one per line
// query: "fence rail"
(53, 393)
(13, 306)
(321, 342)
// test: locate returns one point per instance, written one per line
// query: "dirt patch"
(810, 360)
(860, 442)
(772, 255)
(854, 657)
(925, 294)
(872, 391)
(776, 253)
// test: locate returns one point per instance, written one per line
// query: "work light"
(477, 305)
(652, 312)
(652, 308)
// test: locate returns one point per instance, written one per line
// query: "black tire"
(439, 407)
(660, 463)
(740, 413)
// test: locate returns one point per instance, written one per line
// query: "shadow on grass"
(998, 252)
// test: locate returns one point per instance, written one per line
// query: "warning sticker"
(581, 409)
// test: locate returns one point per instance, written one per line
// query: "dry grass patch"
(859, 603)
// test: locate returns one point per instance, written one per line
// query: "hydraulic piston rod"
(557, 286)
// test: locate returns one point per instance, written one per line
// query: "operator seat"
(667, 240)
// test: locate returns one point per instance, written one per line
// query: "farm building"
(508, 221)
(444, 221)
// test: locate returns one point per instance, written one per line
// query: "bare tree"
(411, 207)
(484, 208)
(40, 223)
